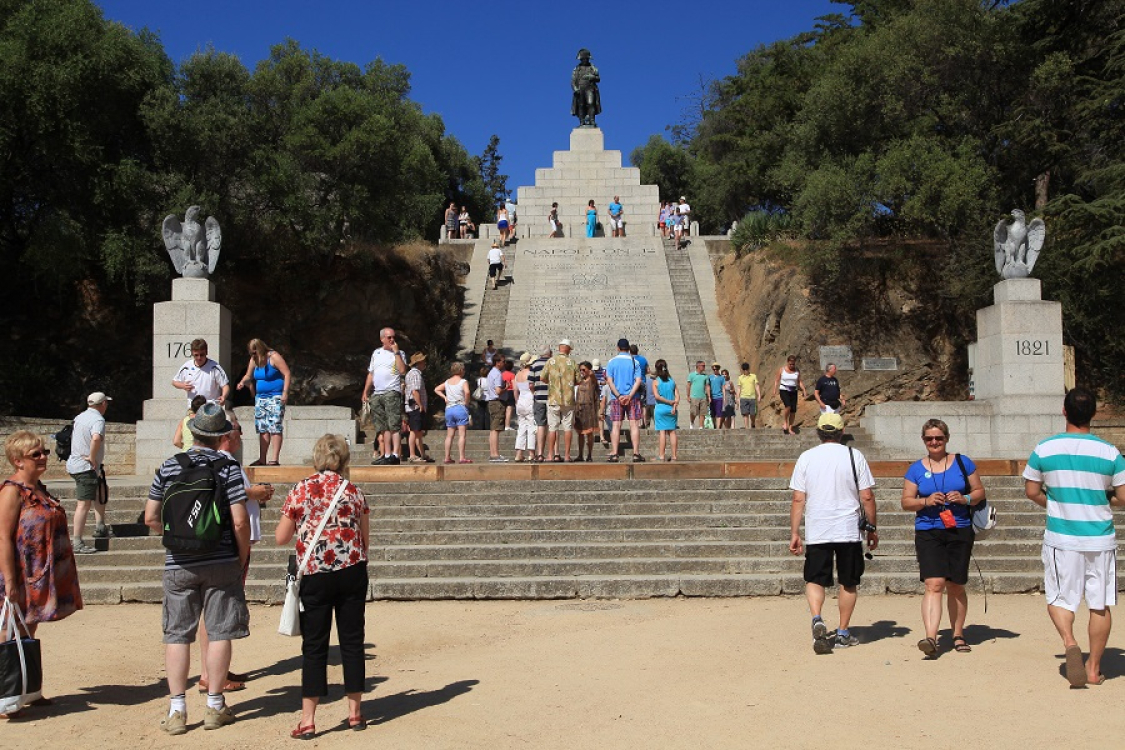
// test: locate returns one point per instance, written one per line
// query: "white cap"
(96, 398)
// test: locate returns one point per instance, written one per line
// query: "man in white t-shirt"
(87, 451)
(384, 384)
(201, 376)
(829, 493)
(495, 263)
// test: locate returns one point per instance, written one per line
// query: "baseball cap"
(565, 342)
(97, 397)
(830, 422)
(596, 363)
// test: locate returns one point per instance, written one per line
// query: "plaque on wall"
(841, 356)
(880, 363)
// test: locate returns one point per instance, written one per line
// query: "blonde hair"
(936, 424)
(457, 368)
(259, 351)
(19, 443)
(331, 453)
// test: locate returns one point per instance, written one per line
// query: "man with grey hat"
(87, 449)
(207, 583)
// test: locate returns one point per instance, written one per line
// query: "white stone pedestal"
(192, 313)
(1018, 377)
(586, 172)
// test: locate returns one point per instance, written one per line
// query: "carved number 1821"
(1033, 348)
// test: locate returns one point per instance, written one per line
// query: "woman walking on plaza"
(941, 490)
(786, 384)
(455, 393)
(591, 219)
(666, 396)
(333, 582)
(267, 376)
(37, 569)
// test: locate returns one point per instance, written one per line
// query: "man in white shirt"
(831, 483)
(495, 263)
(87, 450)
(201, 376)
(384, 384)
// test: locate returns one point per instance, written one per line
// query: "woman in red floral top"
(335, 579)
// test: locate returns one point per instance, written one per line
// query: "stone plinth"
(192, 313)
(586, 172)
(1018, 379)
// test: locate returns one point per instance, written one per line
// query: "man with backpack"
(198, 502)
(87, 449)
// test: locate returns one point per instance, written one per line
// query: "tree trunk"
(1042, 183)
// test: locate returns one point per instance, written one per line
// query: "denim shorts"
(456, 416)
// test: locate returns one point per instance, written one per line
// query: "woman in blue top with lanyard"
(941, 489)
(267, 375)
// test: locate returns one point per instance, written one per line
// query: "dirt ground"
(598, 674)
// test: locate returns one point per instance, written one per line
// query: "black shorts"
(495, 269)
(789, 400)
(944, 553)
(414, 420)
(849, 563)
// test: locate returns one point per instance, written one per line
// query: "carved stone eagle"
(1017, 245)
(194, 249)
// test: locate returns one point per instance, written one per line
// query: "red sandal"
(303, 732)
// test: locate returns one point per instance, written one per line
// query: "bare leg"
(263, 447)
(355, 707)
(635, 433)
(218, 664)
(81, 512)
(449, 441)
(177, 657)
(615, 439)
(931, 606)
(846, 601)
(204, 646)
(1100, 624)
(275, 446)
(661, 443)
(814, 592)
(566, 444)
(1064, 623)
(552, 444)
(460, 443)
(958, 603)
(396, 442)
(675, 445)
(308, 710)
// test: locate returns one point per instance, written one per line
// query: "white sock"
(178, 703)
(215, 701)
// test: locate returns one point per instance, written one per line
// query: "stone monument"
(1018, 368)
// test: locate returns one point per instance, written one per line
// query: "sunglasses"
(934, 438)
(39, 453)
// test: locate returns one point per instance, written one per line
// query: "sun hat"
(210, 421)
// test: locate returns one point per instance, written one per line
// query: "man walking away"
(87, 451)
(624, 379)
(832, 489)
(1077, 477)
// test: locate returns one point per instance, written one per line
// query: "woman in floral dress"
(335, 579)
(37, 568)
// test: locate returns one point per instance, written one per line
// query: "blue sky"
(505, 70)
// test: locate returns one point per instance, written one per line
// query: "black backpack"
(195, 507)
(62, 442)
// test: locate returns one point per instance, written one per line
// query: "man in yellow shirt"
(749, 393)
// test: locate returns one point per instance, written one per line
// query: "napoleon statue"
(586, 101)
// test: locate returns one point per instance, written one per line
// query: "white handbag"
(18, 690)
(290, 622)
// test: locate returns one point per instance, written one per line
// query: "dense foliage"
(302, 159)
(930, 119)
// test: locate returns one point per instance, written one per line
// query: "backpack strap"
(965, 474)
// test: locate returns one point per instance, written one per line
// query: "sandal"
(638, 458)
(228, 687)
(465, 461)
(960, 646)
(304, 732)
(449, 461)
(612, 459)
(557, 459)
(357, 723)
(928, 646)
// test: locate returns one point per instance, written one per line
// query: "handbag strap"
(320, 528)
(855, 478)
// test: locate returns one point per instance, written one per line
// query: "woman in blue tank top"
(267, 376)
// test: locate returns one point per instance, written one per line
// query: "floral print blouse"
(340, 545)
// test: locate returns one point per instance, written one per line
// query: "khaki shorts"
(214, 591)
(560, 417)
(496, 411)
(386, 411)
(86, 485)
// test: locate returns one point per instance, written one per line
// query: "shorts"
(716, 408)
(457, 416)
(748, 407)
(789, 399)
(560, 417)
(502, 224)
(495, 269)
(386, 411)
(496, 411)
(268, 415)
(86, 485)
(1068, 575)
(944, 553)
(619, 412)
(539, 411)
(216, 592)
(698, 408)
(728, 410)
(414, 420)
(618, 223)
(849, 563)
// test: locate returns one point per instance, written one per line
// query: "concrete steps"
(582, 538)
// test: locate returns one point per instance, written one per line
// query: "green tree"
(488, 165)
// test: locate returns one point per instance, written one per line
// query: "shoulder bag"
(21, 662)
(983, 513)
(290, 622)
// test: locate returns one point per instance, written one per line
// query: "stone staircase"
(494, 311)
(120, 443)
(689, 309)
(488, 538)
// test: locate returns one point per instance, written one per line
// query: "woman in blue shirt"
(267, 376)
(941, 489)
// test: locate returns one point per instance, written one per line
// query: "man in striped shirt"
(1077, 477)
